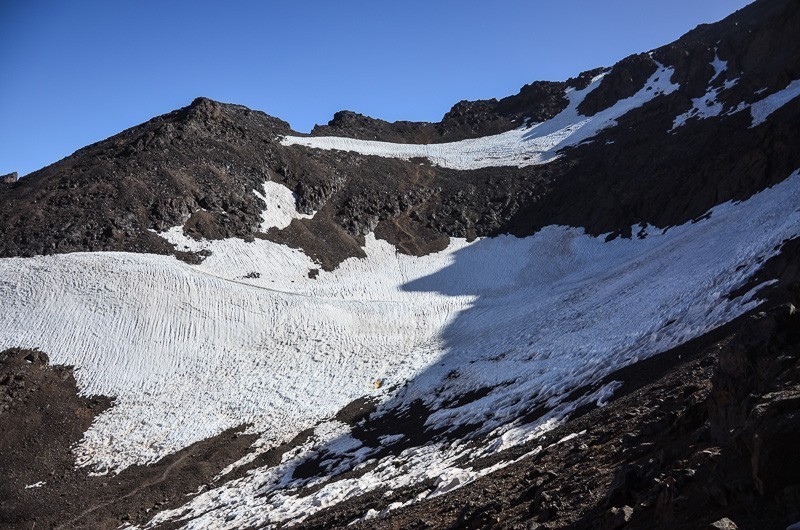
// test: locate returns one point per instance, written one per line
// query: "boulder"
(723, 524)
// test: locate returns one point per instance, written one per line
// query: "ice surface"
(525, 146)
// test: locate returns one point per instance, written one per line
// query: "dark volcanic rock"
(110, 195)
(353, 125)
(625, 79)
(538, 101)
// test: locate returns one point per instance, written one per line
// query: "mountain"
(573, 307)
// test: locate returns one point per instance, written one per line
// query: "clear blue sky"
(75, 72)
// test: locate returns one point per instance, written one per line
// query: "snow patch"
(281, 206)
(525, 146)
(707, 106)
(760, 110)
(719, 66)
(568, 438)
(703, 107)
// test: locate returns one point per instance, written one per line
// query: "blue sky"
(72, 73)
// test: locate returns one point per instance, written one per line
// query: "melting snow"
(281, 206)
(192, 350)
(719, 66)
(537, 144)
(703, 107)
(760, 110)
(707, 105)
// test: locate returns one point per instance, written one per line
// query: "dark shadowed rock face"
(653, 457)
(623, 81)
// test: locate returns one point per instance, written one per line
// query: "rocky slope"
(664, 144)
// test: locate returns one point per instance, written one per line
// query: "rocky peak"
(537, 101)
(10, 178)
(584, 79)
(354, 125)
(202, 107)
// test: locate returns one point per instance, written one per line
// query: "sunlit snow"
(524, 146)
(280, 208)
(555, 311)
(189, 351)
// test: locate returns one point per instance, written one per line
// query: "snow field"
(248, 338)
(540, 143)
(524, 146)
(555, 311)
(189, 351)
(188, 354)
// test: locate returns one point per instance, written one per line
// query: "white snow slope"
(189, 351)
(524, 146)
